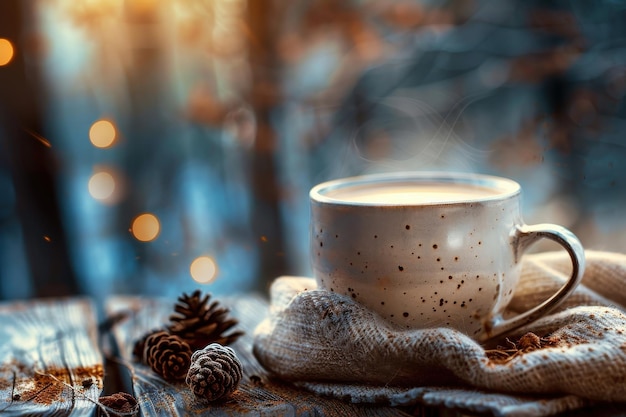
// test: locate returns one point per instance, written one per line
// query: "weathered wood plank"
(50, 363)
(258, 394)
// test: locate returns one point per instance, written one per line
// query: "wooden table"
(56, 359)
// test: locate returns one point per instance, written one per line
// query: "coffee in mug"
(426, 249)
(410, 193)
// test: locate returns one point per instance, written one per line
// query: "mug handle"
(523, 237)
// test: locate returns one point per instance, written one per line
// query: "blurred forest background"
(152, 146)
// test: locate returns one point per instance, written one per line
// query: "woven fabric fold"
(330, 344)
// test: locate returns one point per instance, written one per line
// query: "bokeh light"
(145, 227)
(106, 185)
(6, 51)
(142, 7)
(101, 185)
(203, 270)
(102, 133)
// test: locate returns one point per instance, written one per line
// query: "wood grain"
(50, 364)
(258, 394)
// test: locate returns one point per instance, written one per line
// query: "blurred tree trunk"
(149, 156)
(264, 96)
(31, 156)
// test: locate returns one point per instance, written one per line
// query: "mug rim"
(505, 187)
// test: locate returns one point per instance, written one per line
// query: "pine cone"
(200, 324)
(167, 355)
(215, 372)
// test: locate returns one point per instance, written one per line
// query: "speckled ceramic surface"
(429, 249)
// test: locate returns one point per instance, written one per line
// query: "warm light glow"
(203, 270)
(6, 51)
(142, 6)
(145, 227)
(102, 133)
(102, 185)
(106, 185)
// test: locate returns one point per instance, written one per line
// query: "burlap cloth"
(329, 344)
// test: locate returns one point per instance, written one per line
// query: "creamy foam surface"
(411, 193)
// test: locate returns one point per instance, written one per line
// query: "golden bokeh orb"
(203, 270)
(103, 133)
(6, 51)
(145, 227)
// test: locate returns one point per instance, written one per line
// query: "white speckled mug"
(430, 249)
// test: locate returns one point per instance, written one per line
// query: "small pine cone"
(167, 355)
(215, 372)
(199, 323)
